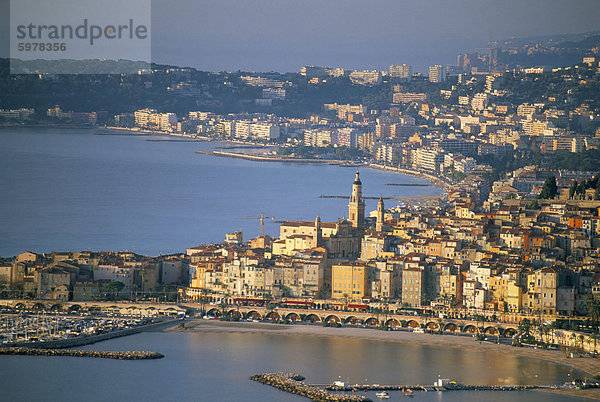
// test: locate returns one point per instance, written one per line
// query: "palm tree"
(588, 341)
(480, 319)
(525, 327)
(573, 338)
(581, 339)
(594, 339)
(594, 306)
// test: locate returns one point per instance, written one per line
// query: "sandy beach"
(589, 365)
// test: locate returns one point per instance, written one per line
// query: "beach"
(587, 364)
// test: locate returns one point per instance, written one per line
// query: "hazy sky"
(283, 35)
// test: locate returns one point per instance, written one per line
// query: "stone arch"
(491, 331)
(39, 306)
(371, 322)
(509, 332)
(273, 316)
(293, 317)
(393, 323)
(56, 307)
(351, 320)
(413, 324)
(312, 318)
(432, 325)
(213, 312)
(234, 314)
(19, 306)
(253, 315)
(332, 318)
(469, 328)
(450, 327)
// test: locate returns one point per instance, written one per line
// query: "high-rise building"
(437, 73)
(400, 71)
(493, 57)
(264, 131)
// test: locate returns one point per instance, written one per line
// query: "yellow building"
(349, 281)
(374, 245)
(515, 297)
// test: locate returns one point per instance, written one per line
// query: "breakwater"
(126, 355)
(447, 387)
(293, 383)
(265, 158)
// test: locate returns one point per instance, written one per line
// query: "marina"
(41, 330)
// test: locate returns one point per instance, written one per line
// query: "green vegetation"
(579, 188)
(549, 189)
(112, 288)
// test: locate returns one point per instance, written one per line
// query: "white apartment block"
(479, 102)
(365, 77)
(264, 131)
(348, 137)
(142, 117)
(242, 129)
(319, 138)
(428, 159)
(261, 82)
(402, 71)
(437, 73)
(407, 97)
(346, 108)
(273, 93)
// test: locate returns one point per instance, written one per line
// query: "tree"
(581, 338)
(525, 327)
(572, 189)
(594, 306)
(534, 204)
(114, 288)
(594, 339)
(549, 189)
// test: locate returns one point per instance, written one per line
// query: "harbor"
(54, 331)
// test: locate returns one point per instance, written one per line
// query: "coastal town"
(509, 253)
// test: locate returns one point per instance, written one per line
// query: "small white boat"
(382, 395)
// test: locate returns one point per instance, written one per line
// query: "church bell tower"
(356, 207)
(380, 215)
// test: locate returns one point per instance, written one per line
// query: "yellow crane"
(261, 218)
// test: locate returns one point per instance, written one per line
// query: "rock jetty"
(293, 383)
(128, 355)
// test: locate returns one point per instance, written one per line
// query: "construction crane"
(261, 218)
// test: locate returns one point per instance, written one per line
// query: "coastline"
(434, 180)
(589, 366)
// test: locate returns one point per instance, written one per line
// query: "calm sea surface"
(216, 367)
(76, 190)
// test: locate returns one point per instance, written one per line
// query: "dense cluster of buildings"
(89, 275)
(510, 259)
